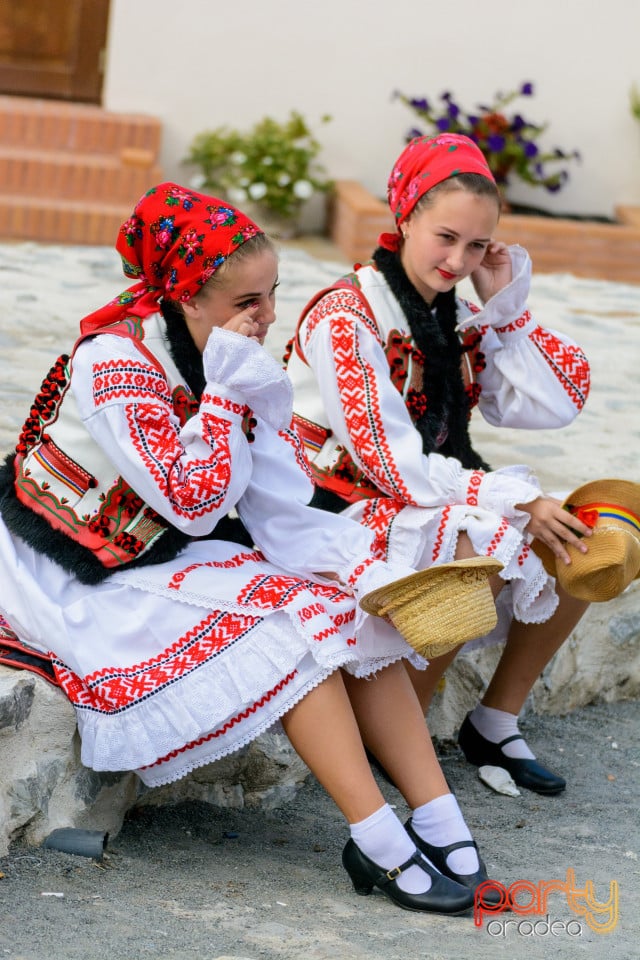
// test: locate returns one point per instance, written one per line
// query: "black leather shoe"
(444, 895)
(525, 773)
(438, 857)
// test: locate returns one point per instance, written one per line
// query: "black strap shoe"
(443, 896)
(525, 773)
(438, 857)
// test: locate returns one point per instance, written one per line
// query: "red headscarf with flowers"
(172, 244)
(425, 162)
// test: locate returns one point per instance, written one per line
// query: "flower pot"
(584, 248)
(275, 224)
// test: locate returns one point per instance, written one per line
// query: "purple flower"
(445, 96)
(496, 143)
(472, 119)
(517, 123)
(443, 124)
(530, 149)
(413, 133)
(453, 111)
(419, 103)
(526, 89)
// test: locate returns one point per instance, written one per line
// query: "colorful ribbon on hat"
(590, 513)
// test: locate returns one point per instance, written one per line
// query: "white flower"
(283, 179)
(244, 181)
(236, 194)
(197, 181)
(267, 161)
(238, 157)
(257, 191)
(302, 189)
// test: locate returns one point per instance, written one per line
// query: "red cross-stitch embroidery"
(346, 302)
(202, 487)
(568, 363)
(177, 579)
(378, 515)
(363, 417)
(115, 379)
(113, 689)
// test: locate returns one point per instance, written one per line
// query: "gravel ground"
(193, 882)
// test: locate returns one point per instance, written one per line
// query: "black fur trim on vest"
(443, 388)
(183, 350)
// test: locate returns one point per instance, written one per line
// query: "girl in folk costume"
(387, 365)
(175, 644)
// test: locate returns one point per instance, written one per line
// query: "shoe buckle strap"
(394, 872)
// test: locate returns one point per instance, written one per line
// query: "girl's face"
(447, 240)
(243, 300)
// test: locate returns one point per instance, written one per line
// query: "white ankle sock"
(440, 822)
(497, 725)
(383, 839)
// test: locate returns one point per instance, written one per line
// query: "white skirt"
(174, 665)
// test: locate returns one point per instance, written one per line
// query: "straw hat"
(612, 509)
(441, 607)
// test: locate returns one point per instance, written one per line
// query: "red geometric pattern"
(472, 489)
(274, 591)
(357, 572)
(378, 515)
(114, 379)
(229, 406)
(341, 300)
(522, 321)
(568, 363)
(194, 492)
(271, 591)
(236, 561)
(498, 536)
(361, 406)
(112, 690)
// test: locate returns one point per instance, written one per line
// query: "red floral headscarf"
(172, 244)
(425, 162)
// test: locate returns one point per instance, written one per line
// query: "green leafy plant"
(273, 164)
(634, 96)
(509, 142)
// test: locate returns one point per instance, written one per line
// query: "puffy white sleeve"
(193, 474)
(535, 378)
(299, 538)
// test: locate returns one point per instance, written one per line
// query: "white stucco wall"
(203, 63)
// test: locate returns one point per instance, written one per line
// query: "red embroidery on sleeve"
(474, 485)
(568, 363)
(194, 489)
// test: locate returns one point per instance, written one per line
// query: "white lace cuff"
(244, 366)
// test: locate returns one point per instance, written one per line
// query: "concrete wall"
(203, 63)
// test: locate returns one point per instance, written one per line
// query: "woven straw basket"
(441, 607)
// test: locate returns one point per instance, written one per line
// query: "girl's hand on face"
(555, 527)
(494, 271)
(245, 322)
